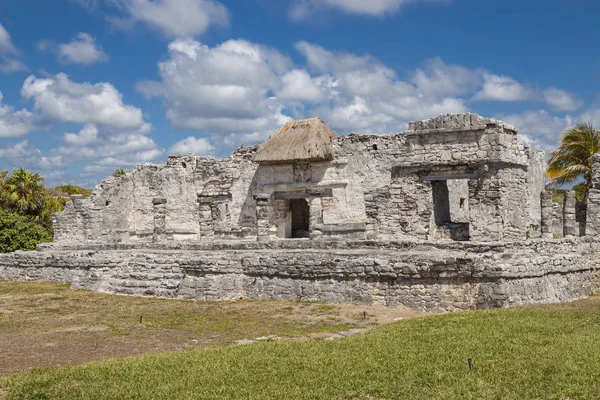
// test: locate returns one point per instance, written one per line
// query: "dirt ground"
(49, 325)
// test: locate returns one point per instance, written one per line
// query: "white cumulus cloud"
(189, 145)
(22, 154)
(303, 9)
(298, 85)
(9, 61)
(439, 78)
(105, 148)
(242, 92)
(6, 44)
(15, 123)
(561, 100)
(542, 129)
(172, 18)
(502, 88)
(82, 50)
(61, 100)
(364, 94)
(220, 90)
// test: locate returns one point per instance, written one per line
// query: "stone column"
(596, 171)
(485, 219)
(160, 212)
(592, 226)
(262, 217)
(547, 213)
(206, 229)
(315, 217)
(570, 226)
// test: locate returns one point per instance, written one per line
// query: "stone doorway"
(300, 218)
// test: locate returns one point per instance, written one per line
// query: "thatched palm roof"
(303, 140)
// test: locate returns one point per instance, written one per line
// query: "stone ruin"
(449, 215)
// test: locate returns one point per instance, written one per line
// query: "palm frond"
(573, 158)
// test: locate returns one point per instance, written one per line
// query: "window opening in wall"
(450, 209)
(183, 165)
(300, 218)
(374, 147)
(107, 203)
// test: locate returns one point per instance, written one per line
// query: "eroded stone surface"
(420, 275)
(450, 215)
(377, 187)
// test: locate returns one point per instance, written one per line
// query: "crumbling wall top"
(456, 122)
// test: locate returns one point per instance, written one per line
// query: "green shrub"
(20, 233)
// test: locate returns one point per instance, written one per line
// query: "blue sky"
(88, 86)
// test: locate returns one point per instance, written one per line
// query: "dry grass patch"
(540, 352)
(48, 324)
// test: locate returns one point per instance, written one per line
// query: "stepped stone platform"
(420, 275)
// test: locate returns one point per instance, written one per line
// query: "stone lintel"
(208, 199)
(311, 192)
(262, 197)
(444, 177)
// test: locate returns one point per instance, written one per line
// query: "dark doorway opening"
(441, 203)
(300, 218)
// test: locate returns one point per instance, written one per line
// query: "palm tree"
(23, 191)
(573, 157)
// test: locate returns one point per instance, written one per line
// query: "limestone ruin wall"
(376, 187)
(450, 215)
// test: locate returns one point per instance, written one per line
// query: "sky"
(88, 86)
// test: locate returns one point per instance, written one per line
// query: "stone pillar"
(485, 219)
(596, 171)
(570, 225)
(160, 212)
(262, 217)
(315, 217)
(547, 213)
(207, 229)
(592, 226)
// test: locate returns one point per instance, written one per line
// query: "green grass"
(549, 352)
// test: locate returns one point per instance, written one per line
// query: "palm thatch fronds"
(573, 158)
(302, 140)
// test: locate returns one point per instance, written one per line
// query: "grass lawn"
(47, 324)
(540, 352)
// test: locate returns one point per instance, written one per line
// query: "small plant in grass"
(120, 172)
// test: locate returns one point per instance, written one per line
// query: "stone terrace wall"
(447, 276)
